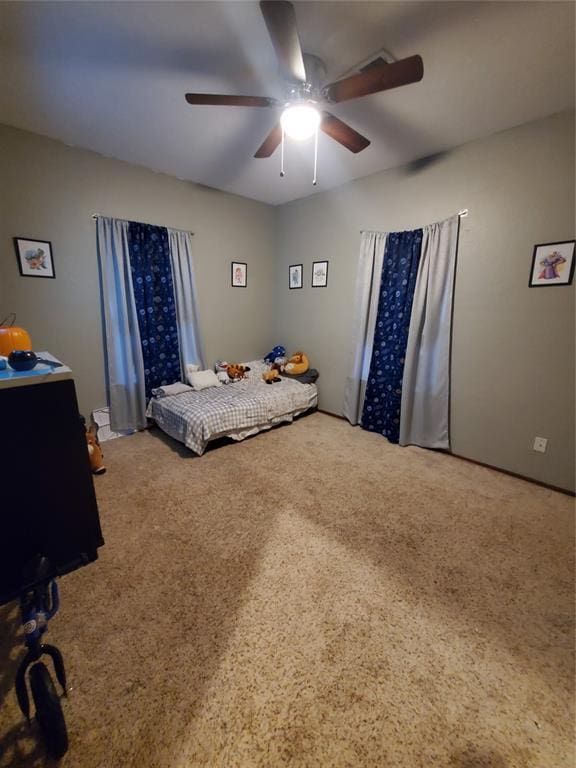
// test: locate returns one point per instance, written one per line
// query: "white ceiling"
(111, 77)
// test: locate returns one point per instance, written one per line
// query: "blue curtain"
(155, 304)
(381, 412)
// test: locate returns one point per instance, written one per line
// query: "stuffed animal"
(236, 371)
(95, 452)
(271, 376)
(276, 352)
(298, 363)
(221, 371)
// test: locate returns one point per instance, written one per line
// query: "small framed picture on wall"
(34, 257)
(295, 276)
(552, 264)
(239, 274)
(319, 274)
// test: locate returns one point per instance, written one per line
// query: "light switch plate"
(540, 444)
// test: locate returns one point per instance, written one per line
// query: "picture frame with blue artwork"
(34, 257)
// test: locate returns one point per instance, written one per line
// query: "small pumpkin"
(12, 337)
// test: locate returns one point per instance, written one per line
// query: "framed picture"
(319, 274)
(34, 257)
(552, 264)
(239, 274)
(295, 275)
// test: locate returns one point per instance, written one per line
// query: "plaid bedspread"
(195, 418)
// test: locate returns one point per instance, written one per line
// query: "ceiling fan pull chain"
(282, 156)
(315, 157)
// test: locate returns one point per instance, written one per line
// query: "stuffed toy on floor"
(95, 453)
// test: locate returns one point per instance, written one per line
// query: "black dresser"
(47, 500)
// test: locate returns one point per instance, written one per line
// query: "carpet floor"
(313, 596)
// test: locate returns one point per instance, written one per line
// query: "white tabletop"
(40, 374)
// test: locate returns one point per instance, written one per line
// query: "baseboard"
(515, 474)
(335, 415)
(484, 464)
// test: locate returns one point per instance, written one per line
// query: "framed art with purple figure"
(552, 264)
(239, 274)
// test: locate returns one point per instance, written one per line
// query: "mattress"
(235, 410)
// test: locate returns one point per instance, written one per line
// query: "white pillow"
(203, 379)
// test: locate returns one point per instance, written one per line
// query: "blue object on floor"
(37, 606)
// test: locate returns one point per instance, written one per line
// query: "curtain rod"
(175, 229)
(461, 214)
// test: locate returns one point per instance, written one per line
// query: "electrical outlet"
(540, 444)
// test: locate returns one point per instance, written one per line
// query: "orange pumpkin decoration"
(12, 337)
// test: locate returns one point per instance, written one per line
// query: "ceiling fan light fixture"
(300, 121)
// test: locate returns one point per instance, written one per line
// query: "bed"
(236, 410)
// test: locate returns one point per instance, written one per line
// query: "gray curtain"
(124, 365)
(425, 406)
(186, 301)
(372, 245)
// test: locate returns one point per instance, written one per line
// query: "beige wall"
(513, 347)
(49, 191)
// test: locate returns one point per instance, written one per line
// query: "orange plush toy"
(95, 453)
(297, 364)
(271, 376)
(236, 371)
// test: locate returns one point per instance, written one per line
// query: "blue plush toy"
(276, 352)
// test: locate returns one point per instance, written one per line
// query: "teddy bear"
(297, 364)
(278, 351)
(95, 452)
(280, 363)
(272, 376)
(236, 371)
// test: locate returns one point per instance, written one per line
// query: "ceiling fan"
(304, 112)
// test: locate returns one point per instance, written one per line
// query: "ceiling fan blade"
(270, 142)
(343, 133)
(217, 100)
(280, 20)
(375, 79)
